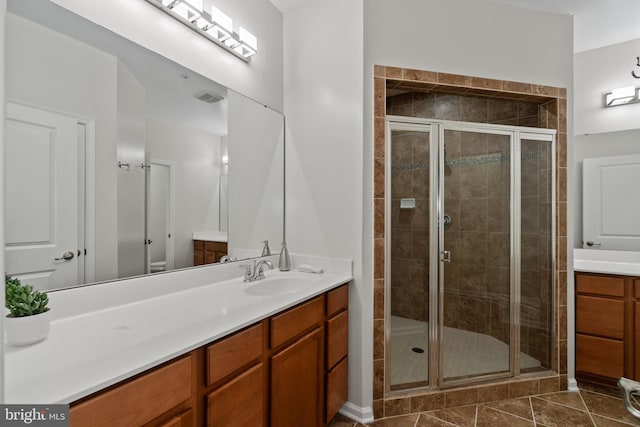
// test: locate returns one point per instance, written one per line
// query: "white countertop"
(88, 351)
(210, 236)
(610, 262)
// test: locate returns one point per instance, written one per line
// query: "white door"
(160, 216)
(41, 197)
(611, 203)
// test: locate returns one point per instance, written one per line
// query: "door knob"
(67, 256)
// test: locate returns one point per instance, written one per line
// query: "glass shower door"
(475, 234)
(407, 229)
(537, 252)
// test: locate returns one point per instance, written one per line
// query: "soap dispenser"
(284, 263)
(266, 251)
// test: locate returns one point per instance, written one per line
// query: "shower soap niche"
(407, 203)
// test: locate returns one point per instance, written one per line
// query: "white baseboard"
(572, 384)
(357, 413)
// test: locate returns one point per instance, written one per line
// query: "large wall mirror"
(120, 162)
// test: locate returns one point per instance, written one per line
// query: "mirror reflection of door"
(42, 192)
(160, 242)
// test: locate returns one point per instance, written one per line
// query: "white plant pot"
(27, 330)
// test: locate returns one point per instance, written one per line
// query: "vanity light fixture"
(622, 96)
(222, 26)
(215, 26)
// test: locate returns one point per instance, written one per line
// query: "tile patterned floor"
(563, 409)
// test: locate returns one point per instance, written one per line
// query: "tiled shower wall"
(410, 226)
(442, 96)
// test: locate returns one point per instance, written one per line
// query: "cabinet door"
(599, 356)
(296, 383)
(337, 388)
(198, 252)
(240, 402)
(213, 251)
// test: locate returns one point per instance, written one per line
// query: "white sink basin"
(277, 286)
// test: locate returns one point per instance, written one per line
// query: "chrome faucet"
(256, 271)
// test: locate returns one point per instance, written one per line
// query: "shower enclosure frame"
(436, 130)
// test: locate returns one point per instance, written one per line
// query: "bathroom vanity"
(607, 315)
(270, 352)
(209, 247)
(289, 369)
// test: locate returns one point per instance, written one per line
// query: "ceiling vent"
(208, 96)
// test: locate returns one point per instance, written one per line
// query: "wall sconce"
(622, 96)
(215, 26)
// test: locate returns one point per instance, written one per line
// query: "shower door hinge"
(446, 256)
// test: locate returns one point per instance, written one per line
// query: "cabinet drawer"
(239, 402)
(295, 321)
(232, 353)
(337, 338)
(138, 401)
(599, 356)
(600, 285)
(600, 316)
(198, 245)
(636, 288)
(215, 246)
(183, 420)
(337, 299)
(337, 388)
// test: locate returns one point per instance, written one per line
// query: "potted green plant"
(29, 318)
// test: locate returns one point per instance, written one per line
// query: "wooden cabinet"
(605, 328)
(337, 340)
(205, 252)
(287, 370)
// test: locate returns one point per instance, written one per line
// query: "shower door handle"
(446, 256)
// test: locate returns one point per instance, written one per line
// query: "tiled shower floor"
(466, 353)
